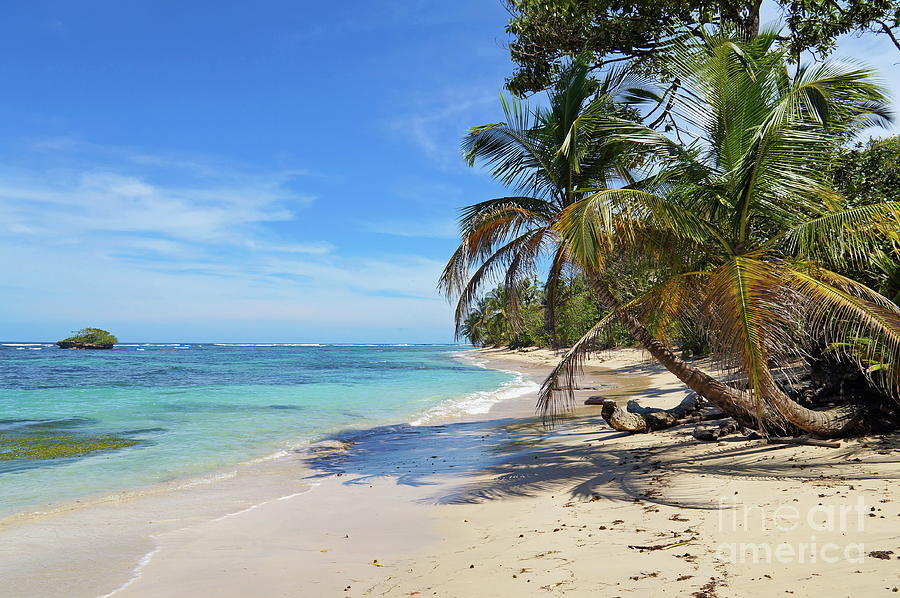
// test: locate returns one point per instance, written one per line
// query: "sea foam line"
(135, 573)
(265, 502)
(145, 560)
(481, 401)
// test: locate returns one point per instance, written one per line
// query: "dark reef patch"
(25, 444)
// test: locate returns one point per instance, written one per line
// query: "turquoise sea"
(186, 410)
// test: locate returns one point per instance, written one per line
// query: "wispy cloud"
(79, 205)
(313, 248)
(436, 124)
(145, 238)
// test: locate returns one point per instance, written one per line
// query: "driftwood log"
(634, 418)
(716, 431)
(692, 409)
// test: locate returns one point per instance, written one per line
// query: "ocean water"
(144, 414)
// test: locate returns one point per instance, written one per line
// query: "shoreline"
(245, 486)
(273, 449)
(495, 501)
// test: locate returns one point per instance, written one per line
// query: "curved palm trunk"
(733, 402)
(831, 423)
(741, 406)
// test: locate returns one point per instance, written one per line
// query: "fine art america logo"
(819, 534)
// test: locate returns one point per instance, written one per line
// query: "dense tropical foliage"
(868, 174)
(544, 33)
(489, 322)
(741, 237)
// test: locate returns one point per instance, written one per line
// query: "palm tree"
(749, 208)
(488, 321)
(549, 156)
(475, 326)
(553, 157)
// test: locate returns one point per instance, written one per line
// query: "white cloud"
(96, 202)
(50, 283)
(314, 248)
(105, 242)
(436, 124)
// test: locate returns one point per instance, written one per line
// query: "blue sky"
(268, 171)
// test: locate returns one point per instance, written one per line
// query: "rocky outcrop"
(81, 345)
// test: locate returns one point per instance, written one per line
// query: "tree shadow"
(415, 455)
(472, 462)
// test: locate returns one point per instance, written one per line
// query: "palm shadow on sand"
(472, 462)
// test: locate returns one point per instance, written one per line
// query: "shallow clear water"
(190, 409)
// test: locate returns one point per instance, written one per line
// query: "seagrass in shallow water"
(49, 445)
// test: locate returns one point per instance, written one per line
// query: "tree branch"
(886, 29)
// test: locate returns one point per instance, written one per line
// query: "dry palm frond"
(841, 311)
(493, 268)
(557, 391)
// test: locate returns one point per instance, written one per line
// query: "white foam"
(479, 402)
(267, 344)
(270, 457)
(295, 494)
(209, 479)
(265, 502)
(242, 511)
(135, 573)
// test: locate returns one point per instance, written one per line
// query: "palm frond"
(846, 236)
(491, 269)
(590, 224)
(840, 309)
(557, 391)
(750, 320)
(488, 230)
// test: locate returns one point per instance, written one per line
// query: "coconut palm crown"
(759, 228)
(549, 155)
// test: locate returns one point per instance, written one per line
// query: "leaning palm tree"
(553, 157)
(752, 213)
(549, 156)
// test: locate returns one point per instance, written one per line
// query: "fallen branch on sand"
(634, 418)
(663, 546)
(804, 441)
(716, 431)
(637, 419)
